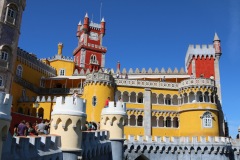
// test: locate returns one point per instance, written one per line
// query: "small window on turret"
(94, 101)
(207, 120)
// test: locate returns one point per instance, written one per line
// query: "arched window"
(132, 120)
(41, 113)
(19, 71)
(11, 14)
(207, 120)
(140, 97)
(140, 120)
(1, 81)
(93, 59)
(168, 122)
(4, 55)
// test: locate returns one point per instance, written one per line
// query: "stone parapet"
(98, 77)
(197, 82)
(96, 145)
(146, 84)
(119, 109)
(179, 144)
(70, 106)
(35, 147)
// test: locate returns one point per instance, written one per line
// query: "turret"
(86, 23)
(118, 67)
(68, 117)
(218, 53)
(98, 87)
(113, 119)
(102, 31)
(5, 117)
(60, 47)
(217, 44)
(79, 29)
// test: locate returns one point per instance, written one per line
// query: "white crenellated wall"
(68, 117)
(113, 119)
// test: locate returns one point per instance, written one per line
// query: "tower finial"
(216, 38)
(86, 15)
(80, 23)
(103, 20)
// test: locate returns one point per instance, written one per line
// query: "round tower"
(113, 119)
(5, 117)
(98, 87)
(68, 117)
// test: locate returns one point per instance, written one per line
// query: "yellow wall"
(61, 64)
(101, 91)
(133, 130)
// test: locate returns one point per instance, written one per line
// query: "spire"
(80, 23)
(216, 37)
(86, 16)
(103, 20)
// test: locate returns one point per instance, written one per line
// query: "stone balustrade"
(146, 84)
(96, 77)
(196, 82)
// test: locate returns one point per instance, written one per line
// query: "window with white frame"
(11, 13)
(207, 120)
(19, 71)
(4, 55)
(62, 72)
(93, 59)
(1, 81)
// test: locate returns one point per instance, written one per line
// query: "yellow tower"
(68, 117)
(113, 119)
(98, 87)
(5, 117)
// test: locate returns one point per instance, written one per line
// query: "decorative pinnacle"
(103, 20)
(216, 37)
(86, 16)
(80, 23)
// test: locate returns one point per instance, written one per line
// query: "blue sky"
(143, 34)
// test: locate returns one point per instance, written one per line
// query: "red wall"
(204, 66)
(17, 118)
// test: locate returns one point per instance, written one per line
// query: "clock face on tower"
(93, 36)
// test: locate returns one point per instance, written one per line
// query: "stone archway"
(141, 157)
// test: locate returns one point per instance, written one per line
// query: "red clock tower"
(90, 54)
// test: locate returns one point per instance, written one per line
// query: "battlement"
(199, 50)
(179, 144)
(96, 144)
(59, 57)
(119, 109)
(32, 61)
(5, 106)
(33, 147)
(70, 106)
